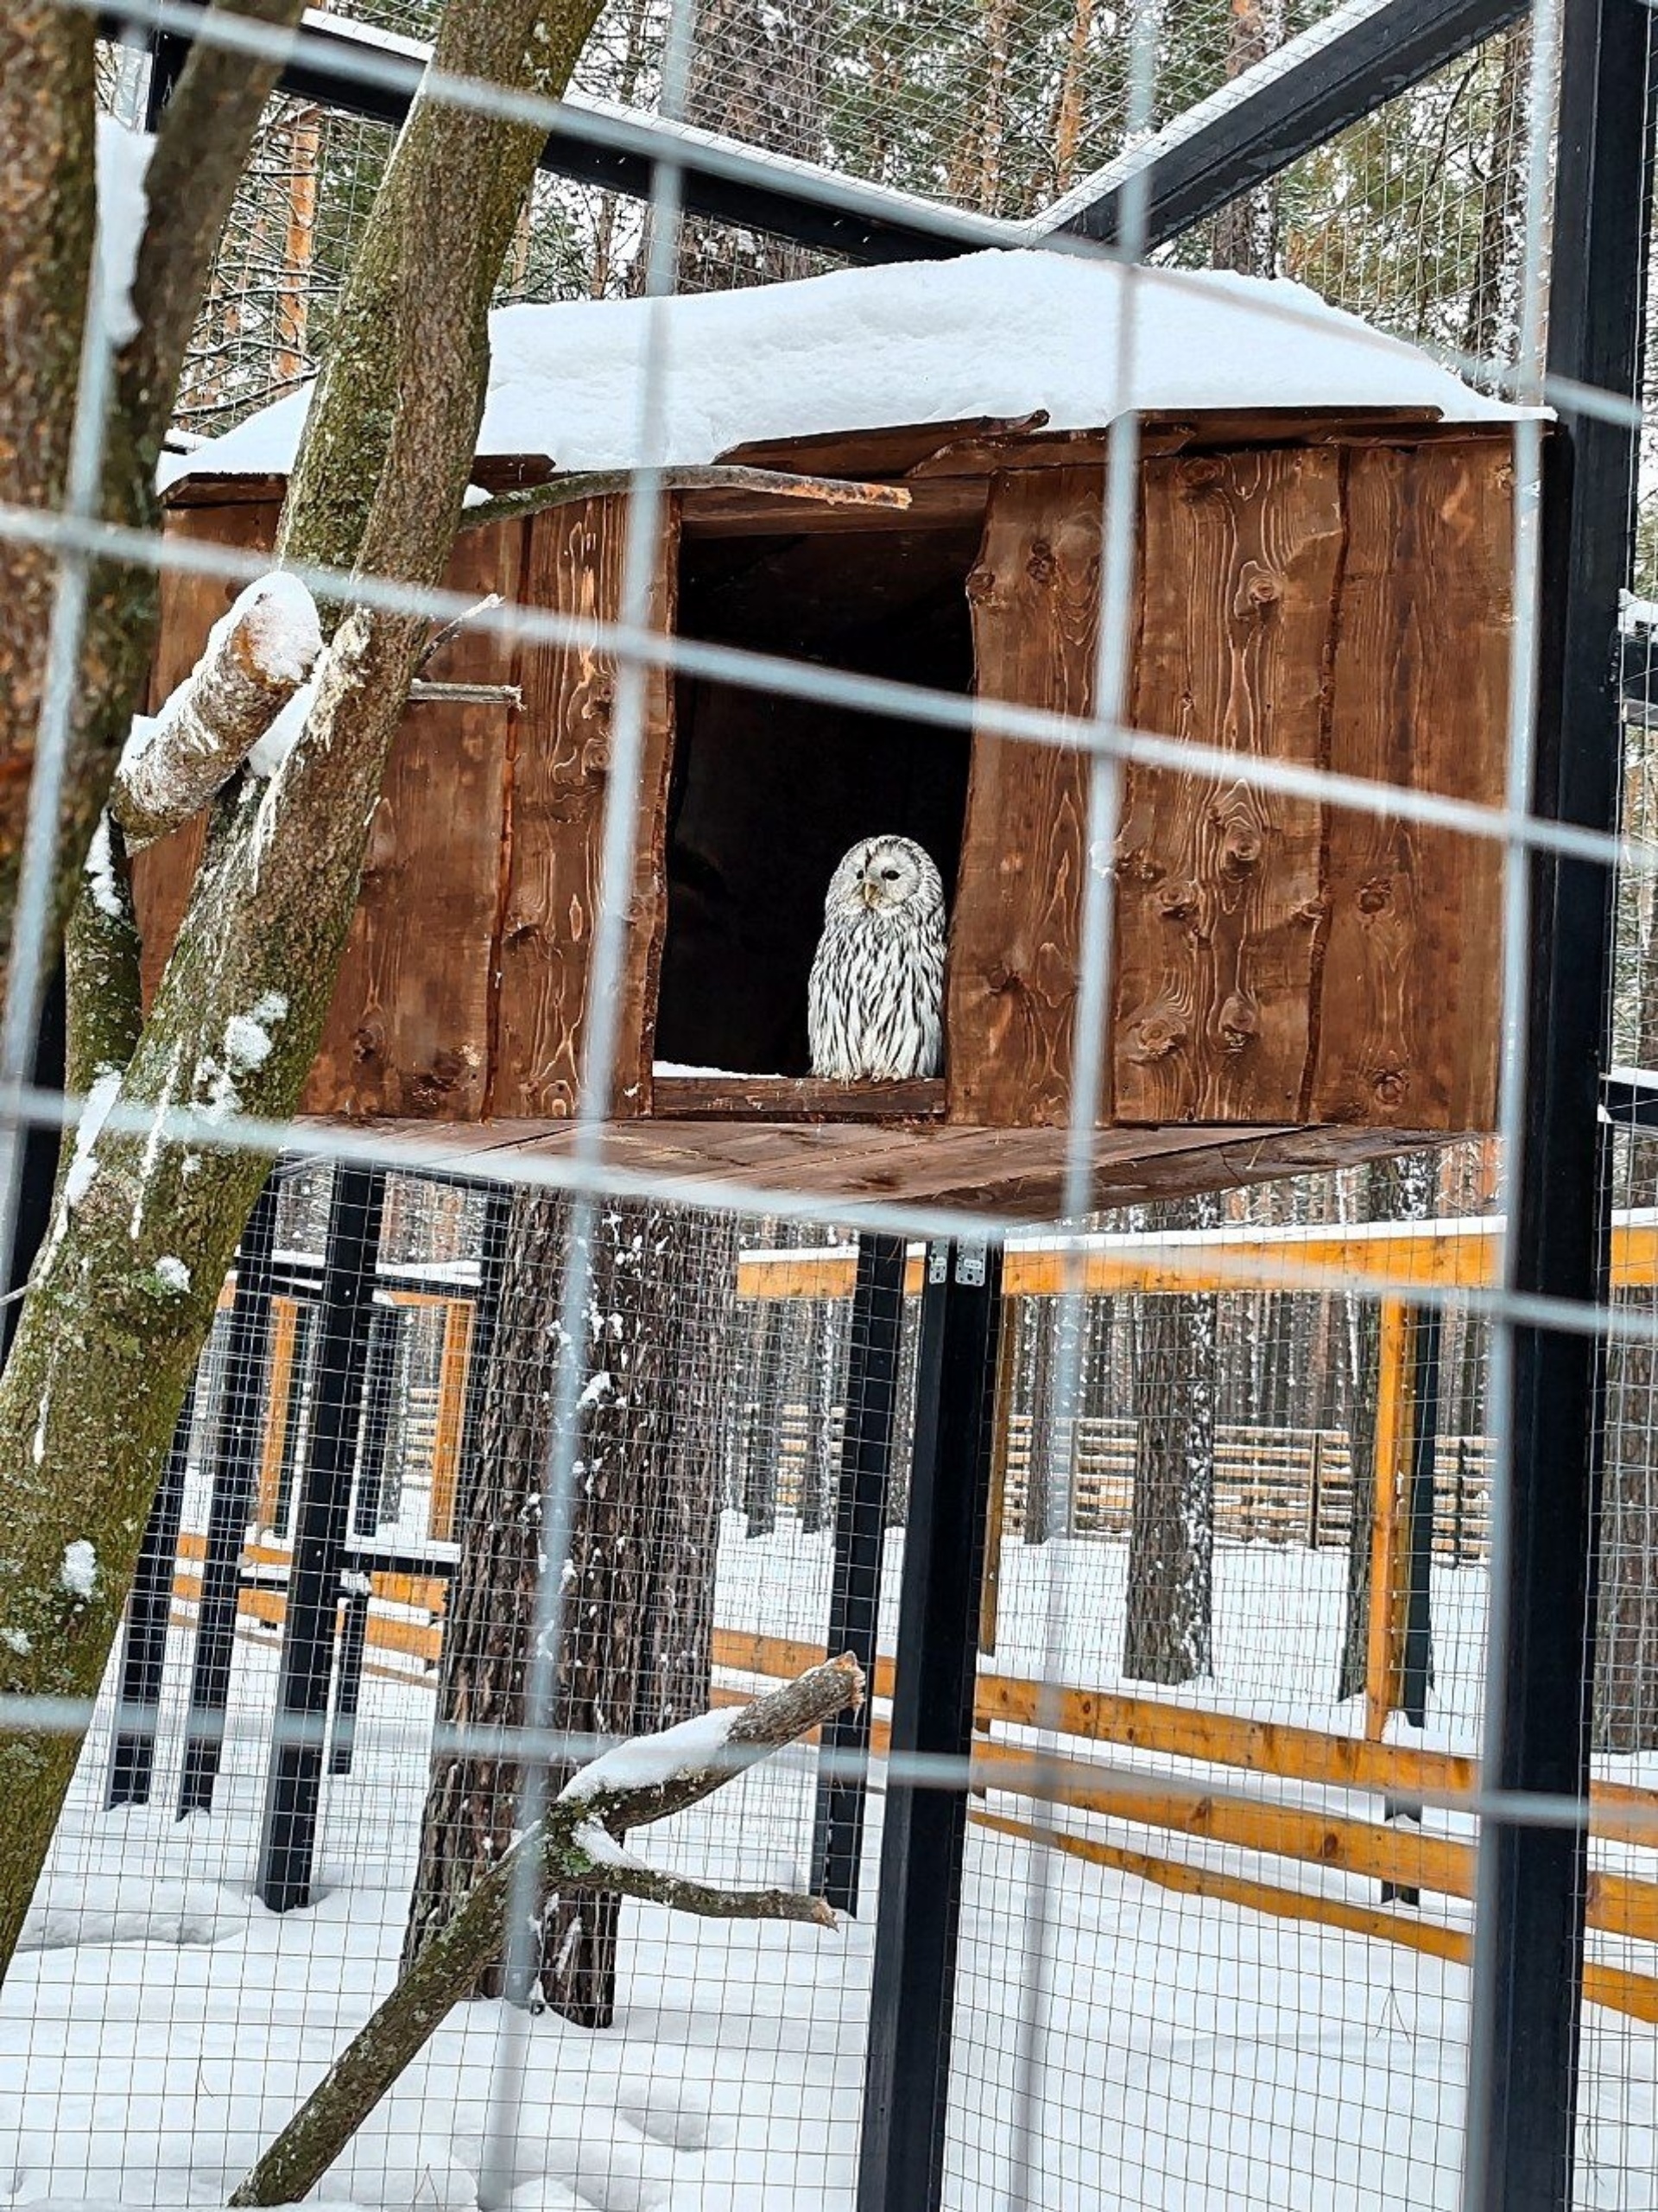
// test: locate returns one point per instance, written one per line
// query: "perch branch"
(679, 1891)
(436, 643)
(631, 1787)
(599, 483)
(422, 694)
(256, 658)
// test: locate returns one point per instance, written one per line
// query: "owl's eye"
(889, 875)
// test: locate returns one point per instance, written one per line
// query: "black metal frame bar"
(1417, 1658)
(1297, 106)
(143, 1638)
(1290, 112)
(294, 1780)
(235, 1464)
(905, 2089)
(1530, 1929)
(877, 1323)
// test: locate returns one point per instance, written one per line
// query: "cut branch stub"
(256, 657)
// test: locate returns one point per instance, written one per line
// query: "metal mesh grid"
(1233, 1425)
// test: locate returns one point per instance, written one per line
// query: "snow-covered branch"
(596, 483)
(256, 658)
(578, 1844)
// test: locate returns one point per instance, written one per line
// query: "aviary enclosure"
(1213, 1411)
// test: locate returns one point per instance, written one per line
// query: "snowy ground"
(1193, 2057)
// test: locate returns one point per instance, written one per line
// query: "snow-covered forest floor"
(1194, 2057)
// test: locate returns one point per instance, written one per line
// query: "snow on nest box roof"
(999, 333)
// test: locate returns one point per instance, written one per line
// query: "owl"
(875, 1003)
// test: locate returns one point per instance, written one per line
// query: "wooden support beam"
(1396, 1416)
(1616, 1987)
(1441, 1255)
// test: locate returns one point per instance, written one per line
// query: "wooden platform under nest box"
(1294, 983)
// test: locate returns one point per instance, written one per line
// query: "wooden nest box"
(1294, 983)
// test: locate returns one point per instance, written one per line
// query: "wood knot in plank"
(367, 1043)
(1176, 900)
(1375, 895)
(981, 584)
(1201, 472)
(434, 1087)
(1039, 562)
(1240, 1018)
(1157, 1033)
(1240, 850)
(1258, 589)
(1391, 1087)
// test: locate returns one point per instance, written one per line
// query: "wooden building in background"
(1293, 983)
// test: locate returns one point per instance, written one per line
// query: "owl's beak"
(871, 892)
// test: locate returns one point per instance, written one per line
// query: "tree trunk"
(756, 74)
(1171, 1540)
(1494, 300)
(637, 1647)
(1246, 229)
(123, 1295)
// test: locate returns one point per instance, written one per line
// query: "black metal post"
(37, 1179)
(294, 1779)
(370, 1480)
(1417, 1667)
(167, 54)
(143, 1642)
(855, 1591)
(901, 2158)
(1417, 1671)
(1530, 1925)
(236, 1462)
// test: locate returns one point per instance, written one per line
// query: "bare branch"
(447, 1966)
(599, 483)
(422, 694)
(256, 658)
(436, 643)
(683, 1895)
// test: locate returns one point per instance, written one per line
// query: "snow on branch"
(595, 484)
(578, 1845)
(256, 659)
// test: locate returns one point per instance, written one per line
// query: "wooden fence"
(1069, 1801)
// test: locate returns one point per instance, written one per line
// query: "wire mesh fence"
(1175, 1537)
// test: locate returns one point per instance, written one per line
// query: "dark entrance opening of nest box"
(768, 793)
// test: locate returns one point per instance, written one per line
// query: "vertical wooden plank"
(452, 1415)
(284, 1336)
(1218, 881)
(408, 1032)
(1014, 936)
(162, 877)
(555, 822)
(1409, 1009)
(1384, 1649)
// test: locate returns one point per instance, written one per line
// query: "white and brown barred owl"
(875, 1004)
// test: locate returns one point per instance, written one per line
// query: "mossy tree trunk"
(48, 207)
(109, 1334)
